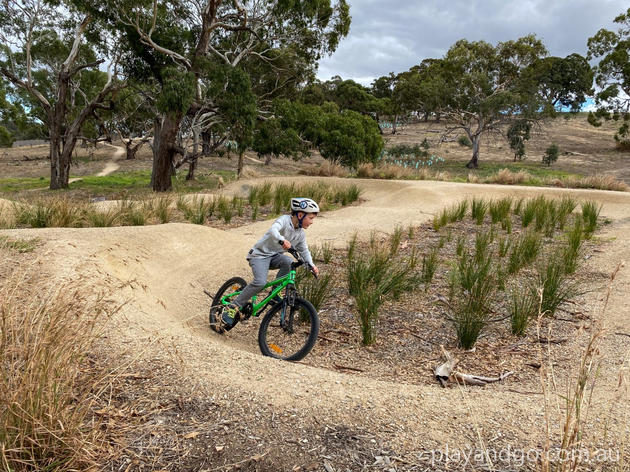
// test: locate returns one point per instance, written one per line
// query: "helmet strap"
(300, 220)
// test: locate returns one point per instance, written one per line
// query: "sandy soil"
(161, 271)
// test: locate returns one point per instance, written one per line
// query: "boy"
(286, 232)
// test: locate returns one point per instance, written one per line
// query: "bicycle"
(288, 330)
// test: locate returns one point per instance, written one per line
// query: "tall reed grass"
(47, 395)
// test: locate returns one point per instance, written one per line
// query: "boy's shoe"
(231, 314)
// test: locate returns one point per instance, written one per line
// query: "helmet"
(304, 204)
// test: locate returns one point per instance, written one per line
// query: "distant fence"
(29, 142)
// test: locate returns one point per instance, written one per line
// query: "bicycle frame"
(281, 282)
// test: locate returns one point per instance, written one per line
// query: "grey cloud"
(391, 37)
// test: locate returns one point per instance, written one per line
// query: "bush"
(464, 141)
(551, 154)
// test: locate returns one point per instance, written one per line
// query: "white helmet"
(305, 205)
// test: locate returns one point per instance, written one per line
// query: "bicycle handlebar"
(300, 260)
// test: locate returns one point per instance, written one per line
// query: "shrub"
(551, 154)
(464, 141)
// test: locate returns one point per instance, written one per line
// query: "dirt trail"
(111, 166)
(162, 270)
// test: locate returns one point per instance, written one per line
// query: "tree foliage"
(612, 77)
(275, 44)
(49, 57)
(346, 136)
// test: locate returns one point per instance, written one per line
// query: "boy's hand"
(315, 270)
(286, 244)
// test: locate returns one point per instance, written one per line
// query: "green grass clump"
(524, 251)
(104, 218)
(472, 288)
(590, 214)
(19, 245)
(373, 277)
(315, 290)
(327, 252)
(224, 209)
(524, 307)
(500, 209)
(161, 208)
(429, 266)
(478, 210)
(556, 287)
(571, 253)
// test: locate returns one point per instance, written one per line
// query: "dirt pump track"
(162, 270)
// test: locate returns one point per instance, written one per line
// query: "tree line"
(193, 77)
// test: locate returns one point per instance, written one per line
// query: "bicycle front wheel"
(289, 332)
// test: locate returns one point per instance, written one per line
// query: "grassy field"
(585, 152)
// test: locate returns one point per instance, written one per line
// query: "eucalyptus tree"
(564, 83)
(612, 77)
(47, 55)
(179, 44)
(343, 136)
(487, 90)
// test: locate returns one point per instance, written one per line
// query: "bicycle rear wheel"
(290, 335)
(216, 310)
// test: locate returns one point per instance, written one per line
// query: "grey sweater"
(280, 230)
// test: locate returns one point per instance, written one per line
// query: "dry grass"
(598, 181)
(507, 177)
(46, 421)
(326, 169)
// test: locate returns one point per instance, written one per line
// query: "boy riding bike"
(286, 232)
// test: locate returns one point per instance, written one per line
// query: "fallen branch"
(552, 341)
(343, 367)
(446, 372)
(468, 379)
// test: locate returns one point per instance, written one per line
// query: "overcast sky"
(393, 35)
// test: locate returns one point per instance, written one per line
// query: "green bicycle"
(289, 329)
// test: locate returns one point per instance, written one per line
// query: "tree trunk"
(239, 169)
(206, 143)
(426, 116)
(164, 152)
(130, 149)
(437, 117)
(474, 162)
(192, 167)
(59, 170)
(394, 124)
